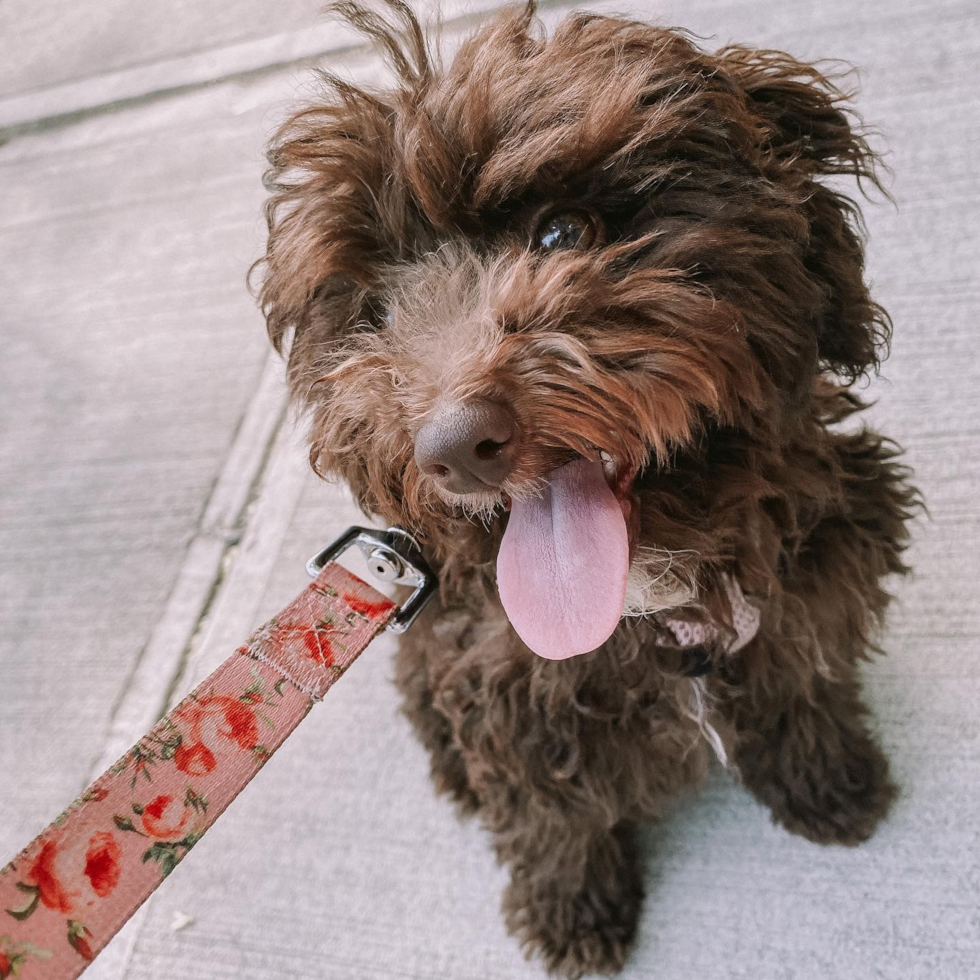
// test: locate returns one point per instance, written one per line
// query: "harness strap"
(70, 891)
(691, 634)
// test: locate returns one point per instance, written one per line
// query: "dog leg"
(575, 892)
(433, 728)
(815, 764)
(805, 748)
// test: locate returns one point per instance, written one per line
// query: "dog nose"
(468, 446)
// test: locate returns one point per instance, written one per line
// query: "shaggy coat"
(706, 333)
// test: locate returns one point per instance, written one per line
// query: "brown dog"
(582, 312)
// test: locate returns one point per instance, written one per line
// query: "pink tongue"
(563, 562)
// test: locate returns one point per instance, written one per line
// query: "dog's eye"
(566, 229)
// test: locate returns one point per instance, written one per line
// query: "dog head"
(586, 254)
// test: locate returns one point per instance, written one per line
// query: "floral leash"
(71, 890)
(65, 896)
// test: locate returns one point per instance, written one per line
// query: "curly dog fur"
(709, 336)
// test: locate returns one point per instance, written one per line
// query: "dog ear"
(330, 177)
(326, 165)
(810, 132)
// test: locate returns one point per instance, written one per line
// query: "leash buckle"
(392, 556)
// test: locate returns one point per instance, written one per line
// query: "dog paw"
(837, 797)
(588, 933)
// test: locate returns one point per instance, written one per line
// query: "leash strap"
(71, 890)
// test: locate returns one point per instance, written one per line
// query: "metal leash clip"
(392, 556)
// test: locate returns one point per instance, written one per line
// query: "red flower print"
(365, 606)
(240, 718)
(102, 863)
(42, 874)
(83, 948)
(318, 646)
(195, 760)
(4, 967)
(76, 937)
(160, 817)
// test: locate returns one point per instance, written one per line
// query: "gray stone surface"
(135, 398)
(60, 61)
(43, 44)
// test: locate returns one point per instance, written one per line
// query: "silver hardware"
(385, 565)
(392, 556)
